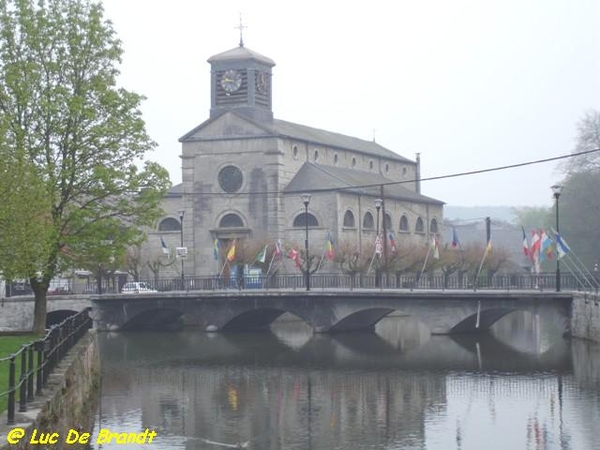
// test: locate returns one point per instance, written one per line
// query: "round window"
(230, 179)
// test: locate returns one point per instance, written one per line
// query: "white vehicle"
(136, 287)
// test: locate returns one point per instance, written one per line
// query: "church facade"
(244, 171)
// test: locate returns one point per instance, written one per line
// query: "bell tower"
(241, 81)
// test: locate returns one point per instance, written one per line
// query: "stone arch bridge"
(444, 312)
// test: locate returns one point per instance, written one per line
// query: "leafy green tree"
(80, 135)
(579, 201)
(533, 217)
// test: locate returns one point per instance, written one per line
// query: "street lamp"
(306, 201)
(181, 214)
(378, 203)
(556, 191)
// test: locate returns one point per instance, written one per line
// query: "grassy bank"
(9, 345)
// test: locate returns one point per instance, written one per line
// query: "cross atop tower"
(241, 28)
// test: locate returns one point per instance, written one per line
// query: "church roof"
(304, 133)
(241, 53)
(331, 139)
(313, 177)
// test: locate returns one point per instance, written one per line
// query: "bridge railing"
(278, 281)
(37, 359)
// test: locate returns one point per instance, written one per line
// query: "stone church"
(244, 172)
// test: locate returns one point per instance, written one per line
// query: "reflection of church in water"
(243, 172)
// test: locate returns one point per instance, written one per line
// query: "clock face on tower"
(231, 81)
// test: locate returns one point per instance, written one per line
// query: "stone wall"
(586, 316)
(16, 313)
(69, 400)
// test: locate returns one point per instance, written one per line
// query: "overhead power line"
(392, 183)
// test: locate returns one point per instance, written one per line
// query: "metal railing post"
(23, 383)
(30, 374)
(11, 391)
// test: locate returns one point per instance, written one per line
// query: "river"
(522, 386)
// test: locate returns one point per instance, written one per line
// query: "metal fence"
(37, 359)
(545, 282)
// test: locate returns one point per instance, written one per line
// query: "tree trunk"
(40, 290)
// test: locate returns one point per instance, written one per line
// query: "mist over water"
(522, 386)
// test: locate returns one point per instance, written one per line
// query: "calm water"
(520, 387)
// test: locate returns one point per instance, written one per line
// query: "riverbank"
(585, 321)
(68, 402)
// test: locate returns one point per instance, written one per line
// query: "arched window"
(335, 159)
(231, 221)
(433, 227)
(404, 223)
(388, 222)
(300, 220)
(419, 227)
(353, 162)
(169, 224)
(368, 221)
(349, 219)
(371, 165)
(316, 155)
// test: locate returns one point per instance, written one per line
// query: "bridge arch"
(56, 317)
(155, 319)
(255, 319)
(487, 317)
(364, 319)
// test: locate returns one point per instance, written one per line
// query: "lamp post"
(306, 201)
(378, 203)
(181, 214)
(556, 191)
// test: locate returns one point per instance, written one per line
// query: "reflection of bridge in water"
(340, 390)
(346, 351)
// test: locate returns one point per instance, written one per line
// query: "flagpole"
(322, 256)
(480, 266)
(424, 265)
(270, 264)
(372, 259)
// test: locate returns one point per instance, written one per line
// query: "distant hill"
(478, 212)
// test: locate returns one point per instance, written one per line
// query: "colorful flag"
(378, 245)
(525, 243)
(435, 248)
(216, 249)
(165, 249)
(278, 248)
(294, 256)
(534, 250)
(455, 241)
(561, 246)
(392, 241)
(262, 256)
(231, 252)
(329, 252)
(545, 246)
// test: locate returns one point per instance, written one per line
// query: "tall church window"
(419, 227)
(349, 220)
(370, 165)
(353, 162)
(300, 220)
(335, 159)
(404, 223)
(368, 221)
(230, 179)
(433, 228)
(316, 155)
(169, 224)
(387, 167)
(231, 221)
(295, 151)
(388, 222)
